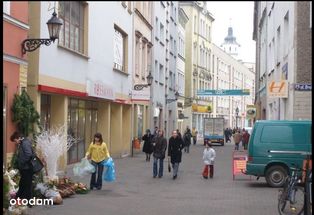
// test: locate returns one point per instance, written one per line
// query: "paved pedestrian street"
(136, 192)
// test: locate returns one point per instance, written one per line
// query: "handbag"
(169, 167)
(36, 164)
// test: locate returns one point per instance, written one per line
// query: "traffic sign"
(243, 92)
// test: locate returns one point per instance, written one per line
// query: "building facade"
(198, 64)
(15, 66)
(283, 34)
(142, 58)
(165, 67)
(231, 74)
(74, 82)
(180, 80)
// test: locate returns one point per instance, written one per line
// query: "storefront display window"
(45, 110)
(82, 125)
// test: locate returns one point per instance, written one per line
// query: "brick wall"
(302, 105)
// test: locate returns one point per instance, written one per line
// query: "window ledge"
(130, 11)
(156, 38)
(74, 52)
(123, 4)
(122, 72)
(161, 43)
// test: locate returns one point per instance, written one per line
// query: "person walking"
(148, 146)
(179, 134)
(237, 137)
(159, 152)
(209, 155)
(245, 139)
(97, 152)
(24, 155)
(175, 152)
(227, 135)
(187, 139)
(194, 135)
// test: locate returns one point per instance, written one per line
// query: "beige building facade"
(198, 64)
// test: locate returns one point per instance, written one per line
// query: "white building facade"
(180, 80)
(83, 80)
(283, 34)
(165, 66)
(231, 74)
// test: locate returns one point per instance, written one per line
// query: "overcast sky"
(241, 14)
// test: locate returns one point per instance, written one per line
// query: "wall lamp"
(149, 82)
(54, 26)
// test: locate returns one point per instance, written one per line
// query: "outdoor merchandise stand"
(239, 159)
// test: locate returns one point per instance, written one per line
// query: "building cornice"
(143, 18)
(15, 22)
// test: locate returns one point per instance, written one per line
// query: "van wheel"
(275, 176)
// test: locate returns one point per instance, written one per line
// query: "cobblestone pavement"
(136, 192)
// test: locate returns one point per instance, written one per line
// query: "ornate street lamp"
(54, 26)
(149, 82)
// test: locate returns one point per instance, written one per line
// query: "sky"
(241, 15)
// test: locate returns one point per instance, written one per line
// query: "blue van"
(275, 146)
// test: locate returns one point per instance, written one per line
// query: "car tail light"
(250, 159)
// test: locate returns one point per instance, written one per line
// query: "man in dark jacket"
(187, 139)
(24, 156)
(159, 151)
(174, 152)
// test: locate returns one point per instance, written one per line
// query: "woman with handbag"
(97, 152)
(24, 156)
(174, 152)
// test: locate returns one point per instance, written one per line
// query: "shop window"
(45, 110)
(82, 125)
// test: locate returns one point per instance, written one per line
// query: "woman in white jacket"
(209, 155)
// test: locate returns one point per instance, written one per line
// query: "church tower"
(230, 44)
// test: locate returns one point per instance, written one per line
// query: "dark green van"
(275, 146)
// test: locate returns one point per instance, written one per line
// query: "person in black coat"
(159, 153)
(24, 155)
(148, 145)
(175, 152)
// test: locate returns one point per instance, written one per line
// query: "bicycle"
(291, 196)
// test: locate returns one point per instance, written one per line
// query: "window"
(82, 125)
(45, 111)
(156, 30)
(144, 56)
(286, 33)
(171, 44)
(6, 7)
(195, 23)
(161, 74)
(156, 71)
(162, 32)
(293, 134)
(137, 56)
(120, 42)
(72, 30)
(278, 52)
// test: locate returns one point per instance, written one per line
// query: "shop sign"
(201, 108)
(100, 90)
(142, 95)
(278, 89)
(303, 87)
(243, 92)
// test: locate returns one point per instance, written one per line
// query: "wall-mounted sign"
(250, 111)
(278, 89)
(243, 92)
(100, 90)
(141, 95)
(303, 87)
(201, 108)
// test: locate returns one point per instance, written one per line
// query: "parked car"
(275, 146)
